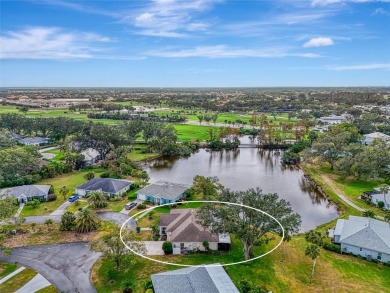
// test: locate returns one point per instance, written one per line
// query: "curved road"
(67, 266)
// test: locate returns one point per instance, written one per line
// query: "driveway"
(42, 219)
(61, 209)
(118, 219)
(67, 266)
(154, 247)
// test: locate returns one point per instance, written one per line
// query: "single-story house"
(35, 141)
(163, 192)
(91, 156)
(181, 227)
(369, 138)
(333, 119)
(377, 196)
(367, 237)
(109, 187)
(196, 279)
(27, 193)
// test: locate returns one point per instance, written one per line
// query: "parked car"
(73, 198)
(130, 205)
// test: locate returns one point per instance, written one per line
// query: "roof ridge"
(362, 231)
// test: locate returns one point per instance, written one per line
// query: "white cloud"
(318, 42)
(360, 67)
(381, 11)
(170, 18)
(223, 51)
(49, 43)
(329, 2)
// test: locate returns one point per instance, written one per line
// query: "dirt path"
(339, 192)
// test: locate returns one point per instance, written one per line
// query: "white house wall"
(365, 252)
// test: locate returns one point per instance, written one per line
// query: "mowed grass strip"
(6, 269)
(48, 289)
(17, 281)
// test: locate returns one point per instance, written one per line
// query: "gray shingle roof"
(37, 139)
(364, 232)
(105, 184)
(27, 190)
(194, 280)
(166, 190)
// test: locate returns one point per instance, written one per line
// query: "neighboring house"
(333, 119)
(27, 193)
(35, 141)
(377, 196)
(367, 237)
(91, 156)
(163, 192)
(197, 279)
(109, 187)
(369, 138)
(181, 228)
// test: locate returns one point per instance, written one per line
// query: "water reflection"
(249, 168)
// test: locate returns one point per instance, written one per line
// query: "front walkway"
(35, 284)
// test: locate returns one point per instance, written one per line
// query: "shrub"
(381, 204)
(150, 216)
(205, 244)
(51, 190)
(34, 203)
(167, 247)
(332, 247)
(105, 175)
(51, 197)
(141, 206)
(138, 229)
(148, 285)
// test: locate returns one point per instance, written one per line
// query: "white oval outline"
(212, 265)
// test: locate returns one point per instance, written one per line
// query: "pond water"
(249, 168)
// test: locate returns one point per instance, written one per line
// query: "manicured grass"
(137, 155)
(187, 132)
(74, 208)
(6, 269)
(334, 272)
(48, 289)
(71, 180)
(17, 281)
(59, 154)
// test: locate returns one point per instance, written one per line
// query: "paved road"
(42, 219)
(67, 266)
(118, 219)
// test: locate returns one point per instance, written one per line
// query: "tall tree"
(97, 200)
(384, 189)
(253, 228)
(312, 251)
(63, 191)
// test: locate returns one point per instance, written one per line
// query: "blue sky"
(191, 43)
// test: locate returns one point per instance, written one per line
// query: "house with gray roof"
(26, 193)
(109, 187)
(91, 156)
(197, 279)
(181, 227)
(34, 141)
(367, 237)
(369, 138)
(163, 192)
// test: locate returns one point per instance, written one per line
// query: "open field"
(193, 132)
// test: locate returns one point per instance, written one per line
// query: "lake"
(249, 168)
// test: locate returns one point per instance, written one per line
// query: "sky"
(194, 43)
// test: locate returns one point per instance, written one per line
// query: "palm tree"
(387, 217)
(48, 222)
(384, 189)
(97, 200)
(369, 214)
(86, 221)
(313, 251)
(64, 191)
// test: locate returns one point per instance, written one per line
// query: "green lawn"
(193, 132)
(6, 269)
(70, 180)
(48, 289)
(275, 272)
(17, 281)
(59, 154)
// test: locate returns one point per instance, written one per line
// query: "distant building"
(91, 156)
(26, 193)
(197, 279)
(181, 227)
(334, 119)
(34, 141)
(369, 138)
(362, 236)
(163, 192)
(109, 187)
